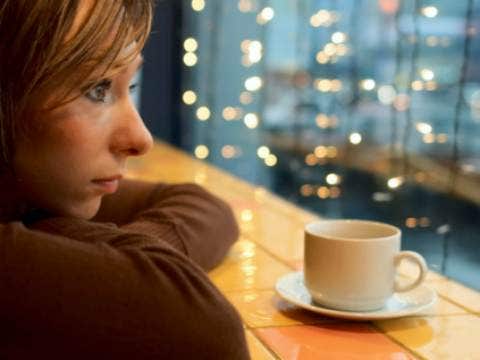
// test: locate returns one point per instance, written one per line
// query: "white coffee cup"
(351, 264)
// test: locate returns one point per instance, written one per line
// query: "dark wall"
(159, 104)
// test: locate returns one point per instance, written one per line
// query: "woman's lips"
(108, 185)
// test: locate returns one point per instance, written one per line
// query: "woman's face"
(78, 153)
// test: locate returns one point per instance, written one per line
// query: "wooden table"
(271, 245)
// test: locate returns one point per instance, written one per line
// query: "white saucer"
(291, 288)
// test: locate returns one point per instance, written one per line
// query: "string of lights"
(341, 101)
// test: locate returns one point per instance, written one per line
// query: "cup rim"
(395, 230)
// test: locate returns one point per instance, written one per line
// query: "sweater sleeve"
(71, 288)
(194, 221)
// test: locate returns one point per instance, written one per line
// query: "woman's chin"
(85, 210)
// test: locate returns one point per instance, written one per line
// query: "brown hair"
(40, 57)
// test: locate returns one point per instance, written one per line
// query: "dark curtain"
(160, 92)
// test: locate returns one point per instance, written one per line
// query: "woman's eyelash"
(107, 83)
(99, 91)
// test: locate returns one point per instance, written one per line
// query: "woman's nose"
(131, 137)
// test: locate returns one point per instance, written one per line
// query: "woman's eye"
(100, 92)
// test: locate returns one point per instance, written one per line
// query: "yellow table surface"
(271, 245)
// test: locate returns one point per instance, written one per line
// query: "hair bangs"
(101, 45)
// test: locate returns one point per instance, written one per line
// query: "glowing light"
(323, 85)
(335, 192)
(427, 74)
(253, 83)
(201, 152)
(320, 152)
(468, 168)
(325, 16)
(332, 179)
(322, 18)
(323, 192)
(411, 222)
(386, 94)
(189, 97)
(430, 11)
(368, 84)
(336, 85)
(203, 113)
(332, 152)
(229, 113)
(432, 40)
(442, 138)
(431, 85)
(244, 45)
(382, 197)
(322, 58)
(428, 138)
(190, 59)
(271, 160)
(190, 44)
(246, 61)
(424, 221)
(246, 215)
(245, 6)
(251, 120)
(339, 37)
(255, 46)
(395, 182)
(311, 160)
(252, 50)
(246, 97)
(322, 121)
(417, 85)
(254, 57)
(423, 128)
(255, 49)
(389, 6)
(263, 151)
(355, 138)
(401, 102)
(315, 21)
(330, 49)
(306, 190)
(443, 229)
(228, 151)
(198, 5)
(265, 15)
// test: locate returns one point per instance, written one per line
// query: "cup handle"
(422, 266)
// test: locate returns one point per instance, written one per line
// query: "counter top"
(271, 245)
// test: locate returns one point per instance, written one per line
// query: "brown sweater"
(127, 285)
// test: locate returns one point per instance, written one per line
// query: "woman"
(91, 264)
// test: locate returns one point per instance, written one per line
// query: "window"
(353, 109)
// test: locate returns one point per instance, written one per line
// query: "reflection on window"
(359, 109)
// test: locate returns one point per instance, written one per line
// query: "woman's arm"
(195, 222)
(75, 288)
